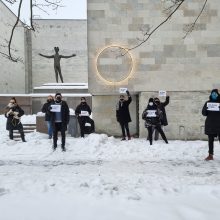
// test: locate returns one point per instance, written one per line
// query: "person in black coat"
(45, 109)
(212, 122)
(161, 106)
(152, 116)
(13, 114)
(123, 115)
(60, 120)
(83, 112)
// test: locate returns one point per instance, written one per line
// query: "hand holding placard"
(162, 93)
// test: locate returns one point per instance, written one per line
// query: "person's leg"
(11, 134)
(161, 133)
(81, 125)
(211, 139)
(122, 130)
(150, 134)
(63, 138)
(127, 131)
(56, 74)
(21, 131)
(156, 134)
(60, 74)
(49, 129)
(55, 133)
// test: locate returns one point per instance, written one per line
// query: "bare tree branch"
(191, 27)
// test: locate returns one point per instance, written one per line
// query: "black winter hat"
(58, 93)
(151, 100)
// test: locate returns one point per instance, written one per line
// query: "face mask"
(151, 103)
(83, 103)
(11, 105)
(58, 99)
(121, 100)
(214, 96)
(49, 100)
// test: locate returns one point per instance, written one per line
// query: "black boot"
(22, 137)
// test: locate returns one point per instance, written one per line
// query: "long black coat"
(65, 115)
(212, 122)
(161, 106)
(82, 107)
(12, 122)
(152, 121)
(122, 111)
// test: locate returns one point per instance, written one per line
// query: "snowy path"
(100, 177)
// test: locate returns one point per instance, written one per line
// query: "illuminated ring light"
(107, 57)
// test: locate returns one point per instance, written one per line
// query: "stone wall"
(187, 68)
(12, 74)
(71, 38)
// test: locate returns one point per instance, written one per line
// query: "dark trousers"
(59, 127)
(82, 121)
(159, 129)
(124, 126)
(11, 136)
(211, 138)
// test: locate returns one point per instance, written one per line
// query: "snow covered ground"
(103, 178)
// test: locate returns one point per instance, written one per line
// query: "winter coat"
(65, 115)
(152, 120)
(122, 111)
(46, 109)
(161, 106)
(82, 107)
(13, 115)
(212, 122)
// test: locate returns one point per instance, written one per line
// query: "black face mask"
(58, 99)
(49, 100)
(83, 103)
(121, 100)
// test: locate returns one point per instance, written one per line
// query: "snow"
(103, 178)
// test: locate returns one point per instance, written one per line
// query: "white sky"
(73, 9)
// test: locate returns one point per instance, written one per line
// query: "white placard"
(213, 106)
(151, 113)
(84, 113)
(55, 108)
(87, 124)
(122, 90)
(162, 93)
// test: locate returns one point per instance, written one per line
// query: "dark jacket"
(161, 106)
(122, 111)
(13, 122)
(46, 109)
(152, 120)
(212, 122)
(65, 115)
(82, 107)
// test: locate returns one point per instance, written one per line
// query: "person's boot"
(22, 137)
(210, 157)
(129, 137)
(123, 139)
(63, 147)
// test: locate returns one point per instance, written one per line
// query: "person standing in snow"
(83, 112)
(212, 123)
(123, 115)
(13, 114)
(45, 109)
(60, 120)
(152, 116)
(161, 106)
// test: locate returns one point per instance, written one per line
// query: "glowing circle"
(114, 64)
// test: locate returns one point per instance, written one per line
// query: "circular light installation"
(114, 65)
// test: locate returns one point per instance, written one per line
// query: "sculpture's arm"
(52, 56)
(73, 55)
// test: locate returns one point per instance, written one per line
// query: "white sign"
(212, 106)
(123, 90)
(55, 108)
(151, 113)
(84, 113)
(162, 93)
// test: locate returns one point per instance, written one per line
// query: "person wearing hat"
(212, 123)
(152, 116)
(123, 115)
(83, 112)
(60, 119)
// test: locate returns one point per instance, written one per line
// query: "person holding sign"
(161, 106)
(123, 115)
(152, 116)
(212, 123)
(83, 113)
(60, 119)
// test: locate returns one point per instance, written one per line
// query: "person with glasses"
(13, 113)
(83, 112)
(45, 109)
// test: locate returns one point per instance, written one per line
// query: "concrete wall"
(71, 37)
(12, 74)
(165, 62)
